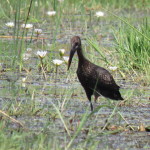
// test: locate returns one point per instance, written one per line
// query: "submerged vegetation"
(42, 106)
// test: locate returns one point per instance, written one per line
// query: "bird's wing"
(103, 79)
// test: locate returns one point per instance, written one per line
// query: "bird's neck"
(80, 56)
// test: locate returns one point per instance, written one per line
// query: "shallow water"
(31, 102)
(135, 111)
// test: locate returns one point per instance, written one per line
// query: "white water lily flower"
(60, 1)
(113, 68)
(51, 13)
(23, 84)
(29, 49)
(57, 62)
(38, 31)
(49, 44)
(26, 56)
(27, 26)
(36, 3)
(66, 59)
(99, 14)
(24, 79)
(41, 54)
(61, 52)
(10, 24)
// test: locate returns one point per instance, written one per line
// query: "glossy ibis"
(94, 79)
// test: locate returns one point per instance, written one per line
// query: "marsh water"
(32, 102)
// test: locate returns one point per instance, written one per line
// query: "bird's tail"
(117, 95)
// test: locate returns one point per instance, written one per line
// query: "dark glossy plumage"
(94, 79)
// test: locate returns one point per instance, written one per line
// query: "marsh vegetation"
(42, 105)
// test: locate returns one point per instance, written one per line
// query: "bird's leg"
(91, 105)
(96, 97)
(89, 94)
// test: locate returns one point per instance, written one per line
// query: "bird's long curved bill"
(70, 57)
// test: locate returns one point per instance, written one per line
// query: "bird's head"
(75, 45)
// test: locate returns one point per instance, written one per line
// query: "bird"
(95, 80)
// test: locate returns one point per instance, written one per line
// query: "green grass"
(53, 110)
(133, 49)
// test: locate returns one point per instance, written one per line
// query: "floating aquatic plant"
(36, 3)
(99, 14)
(38, 31)
(26, 56)
(41, 55)
(66, 59)
(29, 49)
(60, 1)
(57, 62)
(24, 79)
(51, 13)
(112, 68)
(61, 52)
(10, 24)
(27, 26)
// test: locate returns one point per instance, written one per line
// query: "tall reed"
(133, 47)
